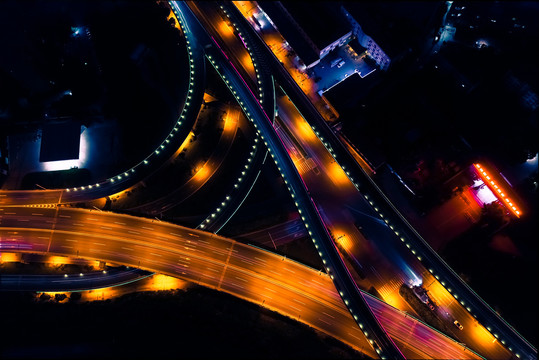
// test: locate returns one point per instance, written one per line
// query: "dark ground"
(197, 323)
(126, 66)
(506, 281)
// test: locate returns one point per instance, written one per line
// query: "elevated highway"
(335, 266)
(248, 272)
(412, 242)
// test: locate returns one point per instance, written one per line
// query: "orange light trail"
(306, 131)
(202, 173)
(337, 174)
(164, 282)
(247, 63)
(59, 260)
(184, 144)
(342, 238)
(231, 120)
(225, 29)
(244, 6)
(10, 257)
(497, 190)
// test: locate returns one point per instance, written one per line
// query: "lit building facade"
(374, 50)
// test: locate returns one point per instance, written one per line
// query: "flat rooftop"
(60, 142)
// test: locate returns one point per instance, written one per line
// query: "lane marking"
(360, 339)
(325, 313)
(293, 307)
(225, 267)
(236, 285)
(325, 321)
(296, 300)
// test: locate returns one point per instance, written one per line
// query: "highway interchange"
(240, 269)
(342, 278)
(471, 303)
(181, 252)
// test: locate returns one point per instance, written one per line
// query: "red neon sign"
(497, 190)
